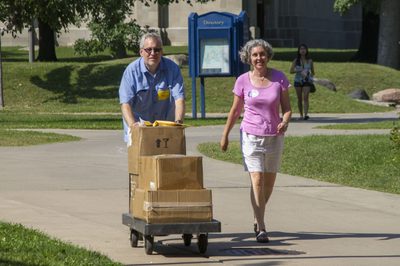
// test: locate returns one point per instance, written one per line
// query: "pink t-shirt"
(261, 104)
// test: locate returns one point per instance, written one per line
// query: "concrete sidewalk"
(77, 192)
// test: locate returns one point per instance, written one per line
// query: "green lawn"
(25, 138)
(365, 161)
(371, 125)
(22, 246)
(80, 84)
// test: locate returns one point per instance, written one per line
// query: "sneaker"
(262, 237)
(306, 117)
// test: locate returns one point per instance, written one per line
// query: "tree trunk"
(389, 34)
(47, 45)
(368, 48)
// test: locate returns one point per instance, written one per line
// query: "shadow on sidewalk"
(237, 247)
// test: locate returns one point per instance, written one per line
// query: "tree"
(113, 29)
(389, 34)
(56, 15)
(52, 17)
(380, 32)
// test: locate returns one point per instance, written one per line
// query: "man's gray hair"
(152, 35)
(245, 52)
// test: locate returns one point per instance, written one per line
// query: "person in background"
(151, 87)
(260, 92)
(303, 68)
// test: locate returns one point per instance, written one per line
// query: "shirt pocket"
(163, 91)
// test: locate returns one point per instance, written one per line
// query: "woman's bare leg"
(257, 197)
(299, 93)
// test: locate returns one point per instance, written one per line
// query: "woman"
(303, 68)
(261, 92)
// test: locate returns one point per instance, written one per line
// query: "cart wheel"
(148, 244)
(202, 242)
(134, 237)
(187, 239)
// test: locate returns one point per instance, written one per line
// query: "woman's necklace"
(262, 78)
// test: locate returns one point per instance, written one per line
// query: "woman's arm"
(286, 112)
(234, 114)
(293, 67)
(312, 67)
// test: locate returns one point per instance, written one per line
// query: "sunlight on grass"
(365, 161)
(26, 138)
(372, 125)
(22, 246)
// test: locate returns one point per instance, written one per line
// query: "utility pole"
(1, 75)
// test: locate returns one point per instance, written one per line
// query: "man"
(151, 87)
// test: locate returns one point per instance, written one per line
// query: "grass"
(365, 161)
(27, 247)
(81, 84)
(49, 95)
(25, 138)
(372, 125)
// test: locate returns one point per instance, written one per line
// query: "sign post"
(214, 41)
(1, 75)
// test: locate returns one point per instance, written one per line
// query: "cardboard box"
(172, 206)
(171, 171)
(133, 185)
(146, 141)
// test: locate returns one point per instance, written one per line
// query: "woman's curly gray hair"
(245, 52)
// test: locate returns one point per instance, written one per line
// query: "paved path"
(77, 192)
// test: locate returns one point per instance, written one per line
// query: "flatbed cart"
(141, 229)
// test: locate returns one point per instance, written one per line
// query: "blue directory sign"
(214, 41)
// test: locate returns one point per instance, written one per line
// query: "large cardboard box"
(170, 172)
(153, 141)
(172, 206)
(133, 185)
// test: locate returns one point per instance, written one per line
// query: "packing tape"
(149, 206)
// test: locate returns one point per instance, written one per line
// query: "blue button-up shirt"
(151, 97)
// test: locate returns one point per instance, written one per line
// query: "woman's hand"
(304, 73)
(224, 143)
(282, 127)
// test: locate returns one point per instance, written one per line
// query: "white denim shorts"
(262, 153)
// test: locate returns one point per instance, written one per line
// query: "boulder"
(179, 59)
(388, 95)
(325, 83)
(359, 94)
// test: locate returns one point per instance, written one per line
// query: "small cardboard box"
(172, 206)
(170, 172)
(153, 141)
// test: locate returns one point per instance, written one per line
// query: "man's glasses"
(154, 50)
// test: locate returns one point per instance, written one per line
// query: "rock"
(179, 59)
(388, 95)
(359, 94)
(325, 83)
